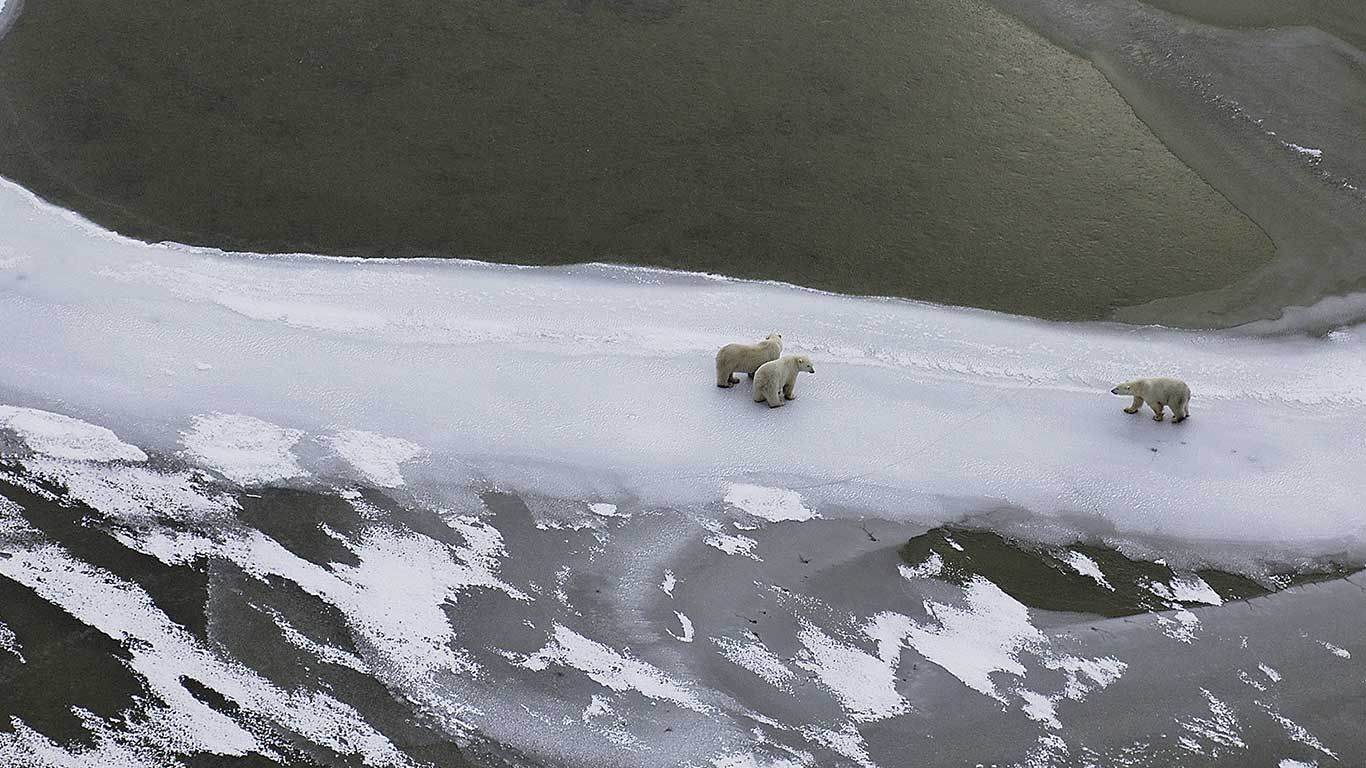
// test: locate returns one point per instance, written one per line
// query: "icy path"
(596, 383)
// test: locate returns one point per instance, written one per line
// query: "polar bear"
(1157, 392)
(780, 374)
(745, 358)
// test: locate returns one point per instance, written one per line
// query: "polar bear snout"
(1115, 391)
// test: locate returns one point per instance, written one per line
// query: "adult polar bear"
(1157, 392)
(780, 374)
(745, 358)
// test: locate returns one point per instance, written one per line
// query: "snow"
(163, 653)
(864, 684)
(1297, 732)
(668, 584)
(1271, 674)
(932, 566)
(983, 637)
(611, 669)
(1193, 589)
(606, 510)
(1086, 567)
(1335, 650)
(243, 448)
(10, 643)
(1220, 729)
(376, 457)
(1288, 763)
(1309, 151)
(772, 504)
(757, 658)
(62, 437)
(590, 375)
(687, 631)
(729, 543)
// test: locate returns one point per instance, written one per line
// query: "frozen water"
(592, 382)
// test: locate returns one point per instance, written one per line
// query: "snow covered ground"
(593, 383)
(515, 500)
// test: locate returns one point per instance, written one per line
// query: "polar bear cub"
(780, 374)
(1157, 393)
(745, 358)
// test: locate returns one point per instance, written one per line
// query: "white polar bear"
(745, 358)
(780, 374)
(1157, 392)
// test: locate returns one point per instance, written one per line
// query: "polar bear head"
(1127, 388)
(774, 337)
(803, 363)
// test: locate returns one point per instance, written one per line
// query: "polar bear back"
(1161, 389)
(746, 358)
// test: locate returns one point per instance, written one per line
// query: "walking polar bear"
(745, 358)
(1157, 393)
(780, 374)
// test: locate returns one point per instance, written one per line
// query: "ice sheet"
(593, 383)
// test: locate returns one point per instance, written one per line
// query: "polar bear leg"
(789, 387)
(1179, 412)
(774, 400)
(1135, 405)
(1157, 410)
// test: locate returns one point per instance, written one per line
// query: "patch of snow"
(1297, 732)
(1086, 567)
(1039, 707)
(953, 543)
(1271, 674)
(864, 684)
(1181, 626)
(931, 567)
(1309, 151)
(729, 543)
(757, 658)
(772, 504)
(376, 457)
(1288, 763)
(606, 510)
(846, 742)
(611, 668)
(242, 448)
(686, 624)
(980, 638)
(10, 642)
(63, 437)
(668, 584)
(322, 652)
(1193, 589)
(1221, 728)
(1336, 651)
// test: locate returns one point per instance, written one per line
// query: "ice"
(592, 382)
